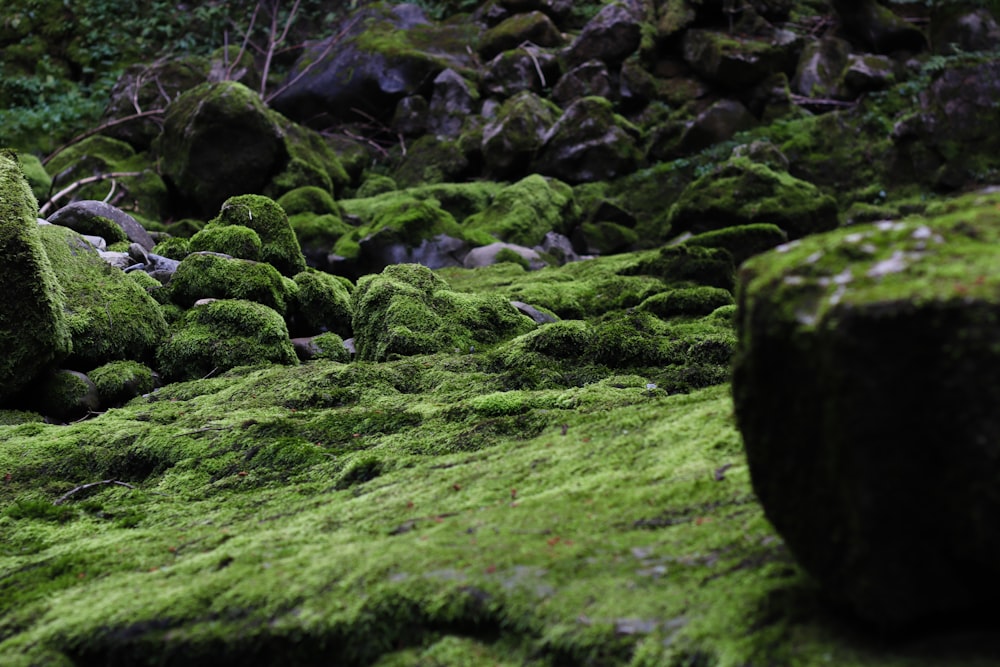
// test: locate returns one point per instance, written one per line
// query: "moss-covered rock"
(692, 301)
(110, 317)
(38, 179)
(206, 275)
(308, 199)
(408, 310)
(322, 303)
(279, 245)
(311, 162)
(63, 395)
(174, 247)
(224, 334)
(741, 192)
(742, 241)
(534, 26)
(234, 240)
(120, 381)
(522, 213)
(514, 136)
(865, 389)
(33, 328)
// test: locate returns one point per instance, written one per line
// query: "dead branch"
(534, 59)
(73, 187)
(273, 43)
(326, 50)
(100, 128)
(802, 100)
(243, 46)
(63, 498)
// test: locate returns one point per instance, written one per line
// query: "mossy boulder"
(279, 245)
(233, 240)
(741, 192)
(308, 199)
(322, 303)
(513, 137)
(120, 381)
(110, 317)
(224, 334)
(533, 26)
(738, 62)
(33, 328)
(407, 310)
(865, 388)
(219, 140)
(686, 302)
(97, 218)
(63, 395)
(523, 212)
(38, 179)
(742, 241)
(206, 275)
(311, 162)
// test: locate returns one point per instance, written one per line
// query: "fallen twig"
(73, 187)
(63, 498)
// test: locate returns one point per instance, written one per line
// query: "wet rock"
(611, 36)
(590, 78)
(534, 27)
(517, 132)
(451, 103)
(524, 68)
(880, 481)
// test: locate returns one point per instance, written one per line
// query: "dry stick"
(534, 59)
(243, 46)
(63, 498)
(329, 47)
(79, 184)
(100, 128)
(273, 43)
(802, 100)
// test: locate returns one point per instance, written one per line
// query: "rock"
(590, 143)
(716, 124)
(962, 27)
(514, 136)
(64, 396)
(495, 252)
(411, 116)
(232, 240)
(120, 381)
(322, 303)
(369, 63)
(92, 217)
(221, 335)
(867, 73)
(876, 28)
(687, 302)
(535, 314)
(865, 388)
(280, 247)
(451, 103)
(34, 333)
(408, 310)
(534, 27)
(603, 238)
(820, 69)
(952, 137)
(586, 79)
(611, 36)
(737, 63)
(740, 192)
(110, 317)
(204, 275)
(559, 247)
(324, 346)
(34, 172)
(524, 68)
(524, 212)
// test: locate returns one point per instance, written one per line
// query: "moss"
(331, 346)
(606, 238)
(695, 301)
(63, 395)
(511, 255)
(742, 241)
(174, 247)
(185, 228)
(280, 247)
(121, 381)
(311, 163)
(713, 267)
(322, 303)
(308, 199)
(15, 417)
(222, 335)
(211, 276)
(38, 179)
(374, 184)
(234, 240)
(397, 217)
(33, 327)
(524, 212)
(110, 317)
(433, 160)
(408, 310)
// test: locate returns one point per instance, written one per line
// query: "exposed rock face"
(33, 329)
(865, 385)
(381, 55)
(611, 36)
(80, 216)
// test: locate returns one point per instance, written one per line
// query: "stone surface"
(80, 216)
(611, 36)
(865, 385)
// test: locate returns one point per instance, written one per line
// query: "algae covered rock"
(33, 327)
(120, 381)
(224, 334)
(234, 240)
(64, 395)
(742, 192)
(408, 310)
(865, 385)
(110, 317)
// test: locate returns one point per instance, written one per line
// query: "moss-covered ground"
(406, 513)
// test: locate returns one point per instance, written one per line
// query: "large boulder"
(207, 275)
(110, 317)
(513, 137)
(370, 62)
(611, 36)
(33, 328)
(279, 245)
(408, 310)
(525, 211)
(534, 27)
(866, 388)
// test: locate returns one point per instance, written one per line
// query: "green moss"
(331, 346)
(374, 184)
(15, 417)
(234, 240)
(322, 303)
(63, 395)
(121, 381)
(524, 212)
(695, 301)
(308, 199)
(110, 317)
(38, 179)
(312, 163)
(510, 255)
(742, 241)
(433, 160)
(280, 247)
(33, 327)
(174, 247)
(211, 276)
(222, 335)
(185, 228)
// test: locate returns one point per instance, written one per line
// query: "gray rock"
(77, 216)
(535, 314)
(524, 68)
(611, 36)
(487, 255)
(516, 133)
(588, 78)
(451, 103)
(715, 124)
(534, 27)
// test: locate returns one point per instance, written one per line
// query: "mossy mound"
(33, 328)
(213, 276)
(695, 301)
(224, 334)
(280, 247)
(120, 381)
(522, 213)
(865, 390)
(308, 199)
(408, 310)
(110, 317)
(234, 240)
(741, 192)
(322, 303)
(38, 179)
(62, 395)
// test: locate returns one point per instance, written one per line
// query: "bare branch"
(73, 187)
(803, 100)
(83, 487)
(329, 47)
(246, 41)
(273, 42)
(100, 128)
